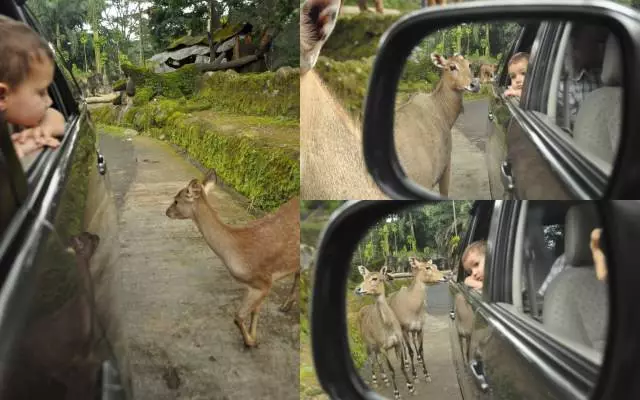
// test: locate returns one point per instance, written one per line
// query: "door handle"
(452, 314)
(507, 178)
(477, 371)
(491, 116)
(102, 164)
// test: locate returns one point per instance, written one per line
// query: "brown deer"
(487, 72)
(380, 329)
(331, 161)
(422, 132)
(410, 306)
(256, 255)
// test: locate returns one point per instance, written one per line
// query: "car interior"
(556, 264)
(596, 128)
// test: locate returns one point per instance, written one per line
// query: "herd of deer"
(397, 322)
(331, 158)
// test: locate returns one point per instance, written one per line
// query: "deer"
(256, 254)
(59, 345)
(380, 329)
(330, 137)
(409, 306)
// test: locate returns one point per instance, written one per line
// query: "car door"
(512, 353)
(499, 118)
(464, 302)
(545, 160)
(59, 323)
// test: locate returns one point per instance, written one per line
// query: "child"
(26, 71)
(517, 68)
(473, 263)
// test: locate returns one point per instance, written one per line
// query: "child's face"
(27, 103)
(474, 264)
(517, 72)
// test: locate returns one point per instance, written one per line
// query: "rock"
(130, 132)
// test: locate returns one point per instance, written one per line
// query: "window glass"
(561, 287)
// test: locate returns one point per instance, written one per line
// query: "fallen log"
(107, 98)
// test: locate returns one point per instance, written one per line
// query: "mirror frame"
(350, 223)
(399, 40)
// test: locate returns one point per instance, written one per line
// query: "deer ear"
(210, 181)
(438, 60)
(363, 270)
(194, 189)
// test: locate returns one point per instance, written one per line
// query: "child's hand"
(474, 283)
(29, 145)
(52, 125)
(512, 92)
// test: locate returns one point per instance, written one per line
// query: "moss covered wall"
(357, 36)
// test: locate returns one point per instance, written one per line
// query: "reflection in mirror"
(398, 301)
(461, 86)
(418, 280)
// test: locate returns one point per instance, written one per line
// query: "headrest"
(612, 63)
(579, 222)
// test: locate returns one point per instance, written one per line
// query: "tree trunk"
(487, 49)
(58, 47)
(96, 49)
(86, 65)
(214, 24)
(140, 33)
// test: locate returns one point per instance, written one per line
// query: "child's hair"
(479, 246)
(518, 57)
(19, 47)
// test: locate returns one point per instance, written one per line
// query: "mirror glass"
(416, 284)
(479, 107)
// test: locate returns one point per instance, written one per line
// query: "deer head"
(317, 20)
(426, 272)
(373, 283)
(456, 73)
(183, 203)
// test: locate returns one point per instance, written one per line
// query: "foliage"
(175, 84)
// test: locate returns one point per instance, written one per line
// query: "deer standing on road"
(410, 306)
(379, 328)
(256, 255)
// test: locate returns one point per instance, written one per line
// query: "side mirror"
(418, 88)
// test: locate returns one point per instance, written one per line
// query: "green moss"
(143, 95)
(119, 85)
(188, 40)
(257, 156)
(357, 36)
(105, 113)
(268, 93)
(175, 84)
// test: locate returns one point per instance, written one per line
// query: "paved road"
(177, 300)
(437, 352)
(473, 122)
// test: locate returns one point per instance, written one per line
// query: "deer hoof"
(428, 378)
(250, 343)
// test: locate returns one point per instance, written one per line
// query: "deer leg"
(427, 375)
(410, 386)
(379, 8)
(396, 392)
(407, 340)
(384, 377)
(250, 303)
(445, 179)
(293, 295)
(362, 5)
(371, 361)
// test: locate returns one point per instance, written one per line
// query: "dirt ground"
(177, 299)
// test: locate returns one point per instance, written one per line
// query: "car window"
(556, 276)
(587, 72)
(522, 47)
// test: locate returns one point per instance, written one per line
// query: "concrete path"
(177, 299)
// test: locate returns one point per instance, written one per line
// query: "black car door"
(499, 117)
(513, 352)
(57, 314)
(547, 159)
